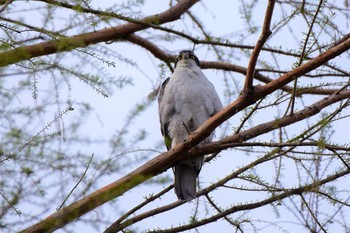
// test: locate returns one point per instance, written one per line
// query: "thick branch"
(266, 32)
(230, 141)
(263, 78)
(262, 91)
(83, 40)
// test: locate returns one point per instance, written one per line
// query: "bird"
(186, 100)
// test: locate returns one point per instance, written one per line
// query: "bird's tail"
(185, 181)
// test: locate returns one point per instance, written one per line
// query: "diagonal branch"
(266, 32)
(117, 224)
(260, 129)
(82, 40)
(6, 4)
(303, 55)
(261, 91)
(312, 213)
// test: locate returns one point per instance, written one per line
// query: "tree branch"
(218, 146)
(117, 225)
(312, 213)
(266, 32)
(6, 4)
(258, 130)
(86, 39)
(303, 55)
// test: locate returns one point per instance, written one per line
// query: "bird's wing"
(216, 103)
(213, 103)
(161, 90)
(165, 110)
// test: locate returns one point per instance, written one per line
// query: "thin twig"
(188, 132)
(312, 213)
(8, 2)
(339, 156)
(220, 210)
(11, 203)
(36, 136)
(301, 59)
(252, 111)
(76, 185)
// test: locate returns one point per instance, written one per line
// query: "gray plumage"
(186, 100)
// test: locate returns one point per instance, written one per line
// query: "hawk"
(185, 101)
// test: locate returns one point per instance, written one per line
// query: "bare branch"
(8, 2)
(119, 224)
(312, 213)
(266, 32)
(86, 39)
(302, 57)
(76, 185)
(216, 147)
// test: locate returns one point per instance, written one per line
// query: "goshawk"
(186, 100)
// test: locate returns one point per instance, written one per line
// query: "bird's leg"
(183, 123)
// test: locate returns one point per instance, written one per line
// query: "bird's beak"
(185, 56)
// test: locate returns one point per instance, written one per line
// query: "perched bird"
(185, 101)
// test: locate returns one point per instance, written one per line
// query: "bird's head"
(186, 58)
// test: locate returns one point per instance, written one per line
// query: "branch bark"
(266, 32)
(6, 4)
(79, 41)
